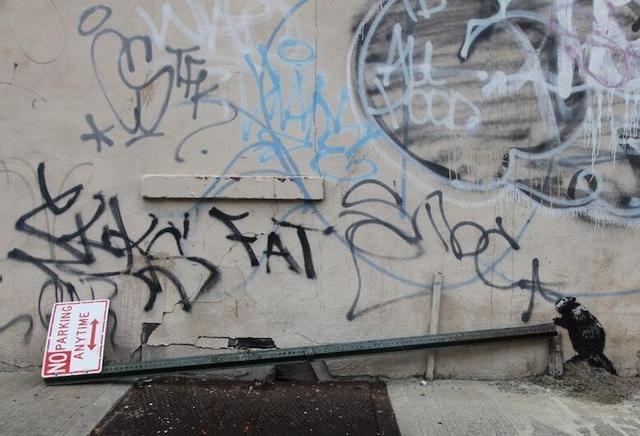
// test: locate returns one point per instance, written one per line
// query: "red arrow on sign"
(93, 344)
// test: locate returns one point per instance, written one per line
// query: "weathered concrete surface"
(447, 407)
(442, 407)
(493, 141)
(29, 407)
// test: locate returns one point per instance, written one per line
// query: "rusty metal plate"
(200, 406)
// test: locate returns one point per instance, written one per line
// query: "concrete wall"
(492, 141)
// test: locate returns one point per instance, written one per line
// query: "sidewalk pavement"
(458, 408)
(442, 407)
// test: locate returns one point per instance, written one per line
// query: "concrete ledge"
(232, 187)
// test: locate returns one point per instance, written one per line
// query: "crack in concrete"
(186, 344)
(15, 366)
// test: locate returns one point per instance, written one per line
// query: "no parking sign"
(75, 340)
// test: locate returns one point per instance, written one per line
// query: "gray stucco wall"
(495, 142)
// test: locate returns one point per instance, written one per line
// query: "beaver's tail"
(602, 361)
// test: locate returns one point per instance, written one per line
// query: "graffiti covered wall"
(494, 141)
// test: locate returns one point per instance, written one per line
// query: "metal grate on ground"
(199, 406)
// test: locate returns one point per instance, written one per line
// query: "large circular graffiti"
(459, 83)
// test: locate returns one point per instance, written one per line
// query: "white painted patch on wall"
(232, 187)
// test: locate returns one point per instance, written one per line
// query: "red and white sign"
(75, 342)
